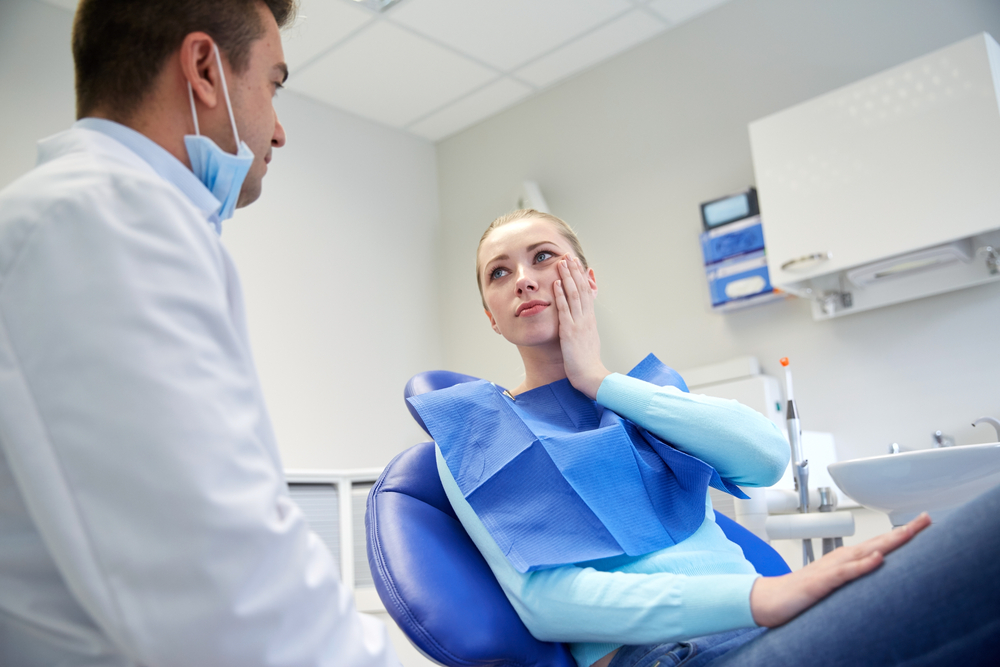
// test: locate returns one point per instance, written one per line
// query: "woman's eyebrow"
(540, 243)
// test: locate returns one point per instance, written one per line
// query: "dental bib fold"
(557, 479)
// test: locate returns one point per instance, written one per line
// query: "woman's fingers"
(576, 287)
(887, 542)
(570, 287)
(578, 337)
(776, 600)
(560, 295)
(563, 308)
(580, 278)
(850, 570)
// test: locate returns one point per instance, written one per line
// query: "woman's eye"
(497, 273)
(543, 255)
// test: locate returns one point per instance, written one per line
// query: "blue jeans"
(698, 652)
(934, 601)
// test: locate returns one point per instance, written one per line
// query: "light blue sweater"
(698, 587)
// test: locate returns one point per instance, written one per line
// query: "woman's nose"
(525, 283)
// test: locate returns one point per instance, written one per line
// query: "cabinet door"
(903, 160)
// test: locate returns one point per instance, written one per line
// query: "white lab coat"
(144, 516)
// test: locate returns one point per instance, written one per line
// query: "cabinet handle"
(815, 257)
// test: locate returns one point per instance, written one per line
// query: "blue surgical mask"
(221, 172)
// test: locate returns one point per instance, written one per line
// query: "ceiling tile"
(609, 40)
(63, 4)
(678, 11)
(471, 109)
(389, 75)
(319, 25)
(505, 33)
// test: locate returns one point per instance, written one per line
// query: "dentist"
(144, 517)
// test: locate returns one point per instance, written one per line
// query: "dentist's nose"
(278, 138)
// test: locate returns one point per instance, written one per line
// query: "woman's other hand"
(776, 600)
(578, 338)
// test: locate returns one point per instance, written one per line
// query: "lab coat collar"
(151, 154)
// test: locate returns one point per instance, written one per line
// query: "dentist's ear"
(199, 67)
(493, 322)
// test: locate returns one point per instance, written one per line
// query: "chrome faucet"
(991, 421)
(992, 259)
(942, 440)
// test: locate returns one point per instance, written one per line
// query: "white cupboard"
(887, 189)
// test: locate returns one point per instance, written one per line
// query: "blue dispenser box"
(740, 281)
(736, 266)
(735, 238)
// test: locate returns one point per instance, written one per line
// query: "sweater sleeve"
(739, 442)
(582, 604)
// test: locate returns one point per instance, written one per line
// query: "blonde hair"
(523, 214)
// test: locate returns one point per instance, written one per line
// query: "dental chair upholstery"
(434, 582)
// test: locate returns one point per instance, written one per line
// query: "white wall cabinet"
(900, 162)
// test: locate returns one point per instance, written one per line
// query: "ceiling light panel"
(471, 109)
(319, 25)
(389, 75)
(506, 33)
(678, 11)
(595, 47)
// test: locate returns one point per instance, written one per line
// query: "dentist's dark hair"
(120, 46)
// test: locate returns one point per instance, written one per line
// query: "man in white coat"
(144, 517)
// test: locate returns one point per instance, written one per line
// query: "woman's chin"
(535, 339)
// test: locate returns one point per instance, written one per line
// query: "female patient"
(627, 591)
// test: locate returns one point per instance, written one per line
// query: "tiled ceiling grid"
(435, 67)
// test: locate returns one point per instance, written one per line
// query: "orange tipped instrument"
(800, 466)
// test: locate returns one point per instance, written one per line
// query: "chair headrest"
(428, 381)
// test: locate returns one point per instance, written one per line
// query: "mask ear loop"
(225, 90)
(194, 114)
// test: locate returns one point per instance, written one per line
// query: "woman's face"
(518, 266)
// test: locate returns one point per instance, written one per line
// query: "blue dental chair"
(434, 582)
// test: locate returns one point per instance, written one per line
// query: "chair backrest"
(432, 579)
(762, 556)
(434, 582)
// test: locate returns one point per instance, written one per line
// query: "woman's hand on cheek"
(578, 338)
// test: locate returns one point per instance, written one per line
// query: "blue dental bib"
(557, 479)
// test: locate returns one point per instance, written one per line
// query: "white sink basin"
(929, 480)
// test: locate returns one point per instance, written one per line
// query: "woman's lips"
(530, 308)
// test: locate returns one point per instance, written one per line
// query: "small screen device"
(722, 211)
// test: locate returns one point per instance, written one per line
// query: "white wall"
(342, 300)
(627, 151)
(334, 257)
(36, 77)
